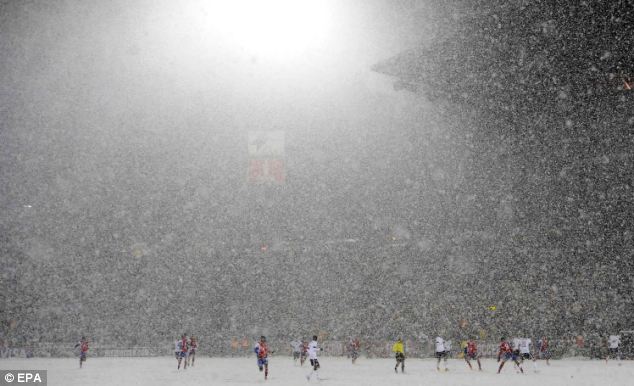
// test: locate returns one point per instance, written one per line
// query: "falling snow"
(377, 169)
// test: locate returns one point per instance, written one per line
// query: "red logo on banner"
(266, 170)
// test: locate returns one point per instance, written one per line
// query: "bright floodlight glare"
(276, 29)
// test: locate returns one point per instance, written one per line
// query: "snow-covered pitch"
(335, 371)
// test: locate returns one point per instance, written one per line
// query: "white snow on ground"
(335, 371)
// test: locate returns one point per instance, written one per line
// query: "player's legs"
(532, 358)
(501, 365)
(266, 368)
(400, 359)
(315, 364)
(503, 360)
(613, 353)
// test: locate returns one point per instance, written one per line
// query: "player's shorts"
(183, 354)
(295, 354)
(544, 354)
(354, 354)
(177, 354)
(400, 357)
(263, 362)
(82, 356)
(441, 354)
(613, 352)
(303, 355)
(507, 356)
(473, 355)
(314, 363)
(192, 351)
(525, 355)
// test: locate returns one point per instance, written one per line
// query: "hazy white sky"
(130, 53)
(94, 89)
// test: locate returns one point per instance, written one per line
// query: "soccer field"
(335, 371)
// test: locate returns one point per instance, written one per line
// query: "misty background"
(440, 159)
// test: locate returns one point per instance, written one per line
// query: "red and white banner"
(266, 157)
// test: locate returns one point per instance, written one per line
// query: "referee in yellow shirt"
(399, 351)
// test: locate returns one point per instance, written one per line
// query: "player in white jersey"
(177, 351)
(524, 346)
(515, 345)
(614, 341)
(313, 349)
(525, 351)
(441, 352)
(296, 345)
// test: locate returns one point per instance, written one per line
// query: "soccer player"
(304, 352)
(542, 346)
(471, 352)
(505, 353)
(178, 346)
(515, 345)
(399, 351)
(193, 346)
(296, 345)
(313, 349)
(235, 345)
(262, 352)
(614, 341)
(441, 352)
(83, 350)
(525, 351)
(354, 349)
(184, 346)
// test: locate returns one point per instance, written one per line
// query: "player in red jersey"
(355, 346)
(184, 350)
(471, 352)
(505, 354)
(83, 350)
(304, 352)
(193, 346)
(262, 352)
(542, 346)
